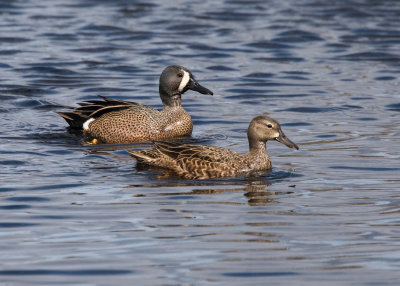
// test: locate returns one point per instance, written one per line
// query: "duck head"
(176, 80)
(263, 128)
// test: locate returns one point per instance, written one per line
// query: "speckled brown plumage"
(120, 121)
(204, 162)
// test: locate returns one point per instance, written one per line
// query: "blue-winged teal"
(119, 121)
(204, 162)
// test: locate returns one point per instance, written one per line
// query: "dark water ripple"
(371, 56)
(393, 107)
(86, 272)
(15, 207)
(327, 70)
(16, 224)
(296, 36)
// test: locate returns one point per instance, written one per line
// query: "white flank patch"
(185, 80)
(172, 126)
(86, 124)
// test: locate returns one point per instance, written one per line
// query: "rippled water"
(78, 214)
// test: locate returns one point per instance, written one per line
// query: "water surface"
(78, 214)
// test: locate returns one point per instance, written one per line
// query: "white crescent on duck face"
(185, 80)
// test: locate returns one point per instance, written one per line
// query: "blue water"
(328, 214)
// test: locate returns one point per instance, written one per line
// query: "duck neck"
(170, 101)
(257, 147)
(258, 155)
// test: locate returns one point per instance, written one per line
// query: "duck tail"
(74, 119)
(141, 156)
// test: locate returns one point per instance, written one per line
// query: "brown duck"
(119, 121)
(204, 162)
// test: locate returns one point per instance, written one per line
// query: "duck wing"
(199, 161)
(95, 108)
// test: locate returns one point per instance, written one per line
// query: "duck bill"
(284, 140)
(194, 85)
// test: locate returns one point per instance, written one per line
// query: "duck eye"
(180, 74)
(269, 125)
